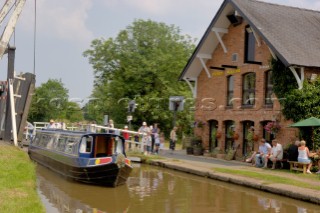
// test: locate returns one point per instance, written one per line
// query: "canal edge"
(298, 193)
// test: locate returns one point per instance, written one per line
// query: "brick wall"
(212, 92)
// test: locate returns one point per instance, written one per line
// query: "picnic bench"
(298, 166)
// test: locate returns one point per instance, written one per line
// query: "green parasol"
(309, 122)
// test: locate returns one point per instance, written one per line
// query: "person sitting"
(276, 154)
(304, 155)
(258, 158)
(264, 151)
(293, 151)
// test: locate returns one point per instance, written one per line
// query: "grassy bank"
(281, 177)
(271, 178)
(17, 182)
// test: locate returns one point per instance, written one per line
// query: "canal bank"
(18, 191)
(281, 182)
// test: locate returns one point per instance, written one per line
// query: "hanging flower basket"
(255, 138)
(272, 127)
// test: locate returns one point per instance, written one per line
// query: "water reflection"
(154, 189)
(61, 195)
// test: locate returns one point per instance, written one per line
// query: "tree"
(297, 104)
(50, 101)
(142, 63)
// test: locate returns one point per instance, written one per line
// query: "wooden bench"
(298, 166)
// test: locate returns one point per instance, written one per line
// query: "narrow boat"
(95, 158)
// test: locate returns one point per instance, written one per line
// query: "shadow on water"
(155, 189)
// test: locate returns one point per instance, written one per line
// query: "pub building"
(230, 75)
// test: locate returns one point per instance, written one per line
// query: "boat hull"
(113, 172)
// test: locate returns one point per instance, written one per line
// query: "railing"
(91, 128)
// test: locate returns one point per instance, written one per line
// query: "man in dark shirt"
(293, 151)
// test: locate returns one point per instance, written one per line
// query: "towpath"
(306, 187)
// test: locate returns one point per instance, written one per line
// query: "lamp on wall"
(313, 77)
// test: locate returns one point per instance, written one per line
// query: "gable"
(292, 34)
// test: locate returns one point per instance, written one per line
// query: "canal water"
(158, 190)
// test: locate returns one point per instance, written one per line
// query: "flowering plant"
(199, 124)
(272, 127)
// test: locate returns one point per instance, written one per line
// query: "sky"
(65, 29)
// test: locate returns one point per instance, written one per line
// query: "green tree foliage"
(297, 104)
(50, 101)
(283, 79)
(142, 63)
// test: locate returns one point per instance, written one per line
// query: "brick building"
(229, 72)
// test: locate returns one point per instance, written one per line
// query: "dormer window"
(250, 46)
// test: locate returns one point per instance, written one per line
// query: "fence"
(91, 128)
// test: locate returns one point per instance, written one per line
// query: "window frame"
(268, 89)
(250, 46)
(246, 102)
(230, 93)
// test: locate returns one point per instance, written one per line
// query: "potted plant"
(197, 146)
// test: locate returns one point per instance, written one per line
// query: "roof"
(292, 33)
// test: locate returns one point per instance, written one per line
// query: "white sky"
(65, 29)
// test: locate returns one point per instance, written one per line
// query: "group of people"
(266, 153)
(152, 137)
(296, 152)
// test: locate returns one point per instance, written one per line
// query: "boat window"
(61, 144)
(51, 139)
(70, 145)
(119, 148)
(44, 140)
(86, 144)
(36, 140)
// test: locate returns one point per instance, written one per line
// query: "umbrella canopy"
(309, 122)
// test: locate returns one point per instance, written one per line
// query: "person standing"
(162, 140)
(173, 138)
(146, 137)
(111, 126)
(51, 125)
(156, 142)
(126, 136)
(154, 130)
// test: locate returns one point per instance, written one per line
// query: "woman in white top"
(304, 155)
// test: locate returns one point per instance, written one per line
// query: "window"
(230, 88)
(229, 141)
(61, 144)
(86, 144)
(250, 46)
(268, 88)
(71, 145)
(248, 89)
(119, 146)
(248, 133)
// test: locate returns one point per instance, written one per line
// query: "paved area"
(205, 166)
